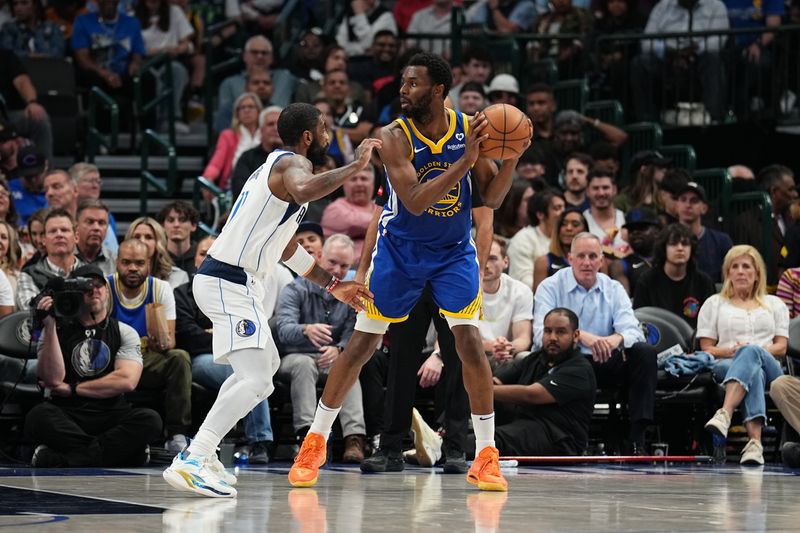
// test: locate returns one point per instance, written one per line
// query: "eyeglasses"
(97, 283)
(260, 52)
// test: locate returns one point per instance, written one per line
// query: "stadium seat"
(682, 155)
(54, 79)
(641, 136)
(719, 188)
(15, 341)
(571, 94)
(751, 222)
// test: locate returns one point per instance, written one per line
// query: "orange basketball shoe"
(306, 465)
(485, 471)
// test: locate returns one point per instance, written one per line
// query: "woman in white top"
(152, 234)
(747, 330)
(165, 29)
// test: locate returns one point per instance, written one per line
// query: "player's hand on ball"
(364, 151)
(475, 138)
(353, 294)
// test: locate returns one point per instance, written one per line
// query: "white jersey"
(260, 225)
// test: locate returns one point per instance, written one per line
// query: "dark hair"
(384, 33)
(674, 180)
(771, 176)
(563, 311)
(555, 239)
(38, 9)
(438, 69)
(505, 218)
(673, 234)
(478, 53)
(141, 13)
(89, 203)
(540, 88)
(601, 171)
(473, 86)
(40, 215)
(540, 203)
(405, 57)
(584, 159)
(58, 212)
(603, 150)
(183, 209)
(295, 120)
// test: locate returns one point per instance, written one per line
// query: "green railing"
(159, 67)
(214, 74)
(751, 223)
(201, 184)
(96, 137)
(165, 186)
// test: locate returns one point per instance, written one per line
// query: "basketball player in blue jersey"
(424, 238)
(228, 286)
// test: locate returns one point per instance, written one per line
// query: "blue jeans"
(754, 368)
(257, 425)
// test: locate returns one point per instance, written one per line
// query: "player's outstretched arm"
(352, 293)
(416, 196)
(305, 186)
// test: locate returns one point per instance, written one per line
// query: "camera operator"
(87, 363)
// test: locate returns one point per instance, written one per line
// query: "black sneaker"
(383, 461)
(259, 454)
(44, 457)
(790, 453)
(454, 461)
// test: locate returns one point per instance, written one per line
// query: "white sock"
(484, 431)
(323, 419)
(204, 443)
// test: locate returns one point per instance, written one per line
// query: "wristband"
(300, 262)
(74, 388)
(332, 284)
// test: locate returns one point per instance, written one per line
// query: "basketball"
(508, 130)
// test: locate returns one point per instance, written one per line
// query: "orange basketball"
(508, 130)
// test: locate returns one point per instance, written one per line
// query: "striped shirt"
(789, 291)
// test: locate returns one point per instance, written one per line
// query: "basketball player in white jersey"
(228, 285)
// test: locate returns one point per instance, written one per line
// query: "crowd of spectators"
(574, 252)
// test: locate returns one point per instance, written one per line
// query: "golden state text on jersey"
(447, 221)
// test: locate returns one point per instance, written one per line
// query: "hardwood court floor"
(541, 499)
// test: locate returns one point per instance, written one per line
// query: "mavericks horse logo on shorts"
(245, 328)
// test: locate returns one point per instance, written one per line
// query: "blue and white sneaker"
(216, 467)
(193, 474)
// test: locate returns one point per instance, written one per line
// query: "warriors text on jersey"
(448, 221)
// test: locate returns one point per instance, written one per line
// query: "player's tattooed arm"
(305, 186)
(416, 196)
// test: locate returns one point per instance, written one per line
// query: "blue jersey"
(134, 316)
(448, 221)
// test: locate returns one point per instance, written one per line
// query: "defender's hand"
(353, 294)
(364, 151)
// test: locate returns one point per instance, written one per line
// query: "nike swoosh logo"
(553, 383)
(485, 417)
(418, 150)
